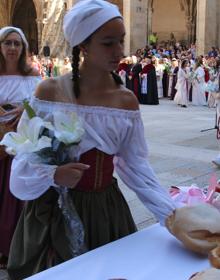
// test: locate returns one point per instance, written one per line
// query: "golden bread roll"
(198, 227)
(214, 257)
(209, 274)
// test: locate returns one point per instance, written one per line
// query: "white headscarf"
(85, 17)
(8, 29)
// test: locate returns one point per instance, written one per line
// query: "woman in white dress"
(17, 82)
(159, 72)
(181, 97)
(114, 138)
(198, 85)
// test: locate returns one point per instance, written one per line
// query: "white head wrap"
(85, 17)
(8, 29)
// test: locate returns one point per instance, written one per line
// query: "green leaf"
(30, 111)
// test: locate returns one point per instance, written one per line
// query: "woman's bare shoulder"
(128, 100)
(48, 90)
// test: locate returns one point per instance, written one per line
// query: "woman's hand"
(69, 175)
(16, 113)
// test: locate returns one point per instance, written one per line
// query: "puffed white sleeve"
(132, 166)
(29, 179)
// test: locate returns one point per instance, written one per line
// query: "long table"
(149, 254)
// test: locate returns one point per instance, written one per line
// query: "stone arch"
(190, 9)
(24, 16)
(183, 25)
(37, 4)
(164, 23)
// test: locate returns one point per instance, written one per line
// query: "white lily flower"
(68, 128)
(26, 139)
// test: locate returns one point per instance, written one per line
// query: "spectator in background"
(153, 39)
(18, 81)
(66, 67)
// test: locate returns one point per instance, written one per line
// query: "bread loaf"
(209, 274)
(214, 257)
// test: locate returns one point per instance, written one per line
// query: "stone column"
(135, 18)
(149, 21)
(189, 26)
(39, 30)
(206, 25)
(127, 22)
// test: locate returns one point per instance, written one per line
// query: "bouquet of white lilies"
(51, 144)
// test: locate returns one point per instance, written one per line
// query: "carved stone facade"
(41, 21)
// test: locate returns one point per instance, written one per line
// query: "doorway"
(24, 17)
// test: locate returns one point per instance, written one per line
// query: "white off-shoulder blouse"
(15, 88)
(116, 132)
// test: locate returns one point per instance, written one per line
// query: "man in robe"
(149, 93)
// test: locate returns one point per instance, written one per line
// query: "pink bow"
(185, 195)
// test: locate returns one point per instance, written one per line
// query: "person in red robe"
(126, 65)
(151, 96)
(207, 77)
(135, 77)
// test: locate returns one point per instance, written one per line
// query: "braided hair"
(76, 75)
(75, 71)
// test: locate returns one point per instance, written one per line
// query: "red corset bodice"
(99, 175)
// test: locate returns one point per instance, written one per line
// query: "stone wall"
(168, 17)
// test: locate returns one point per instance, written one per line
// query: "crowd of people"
(50, 67)
(156, 71)
(33, 235)
(174, 72)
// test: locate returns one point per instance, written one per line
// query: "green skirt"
(40, 233)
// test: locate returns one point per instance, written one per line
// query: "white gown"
(159, 73)
(198, 88)
(181, 97)
(14, 89)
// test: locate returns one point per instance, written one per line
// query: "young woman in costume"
(113, 139)
(18, 81)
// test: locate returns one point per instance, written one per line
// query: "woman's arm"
(29, 177)
(131, 164)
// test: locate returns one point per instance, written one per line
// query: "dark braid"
(75, 71)
(117, 78)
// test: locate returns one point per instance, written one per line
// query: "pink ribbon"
(185, 195)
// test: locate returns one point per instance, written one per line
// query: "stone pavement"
(179, 153)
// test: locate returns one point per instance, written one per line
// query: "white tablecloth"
(150, 254)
